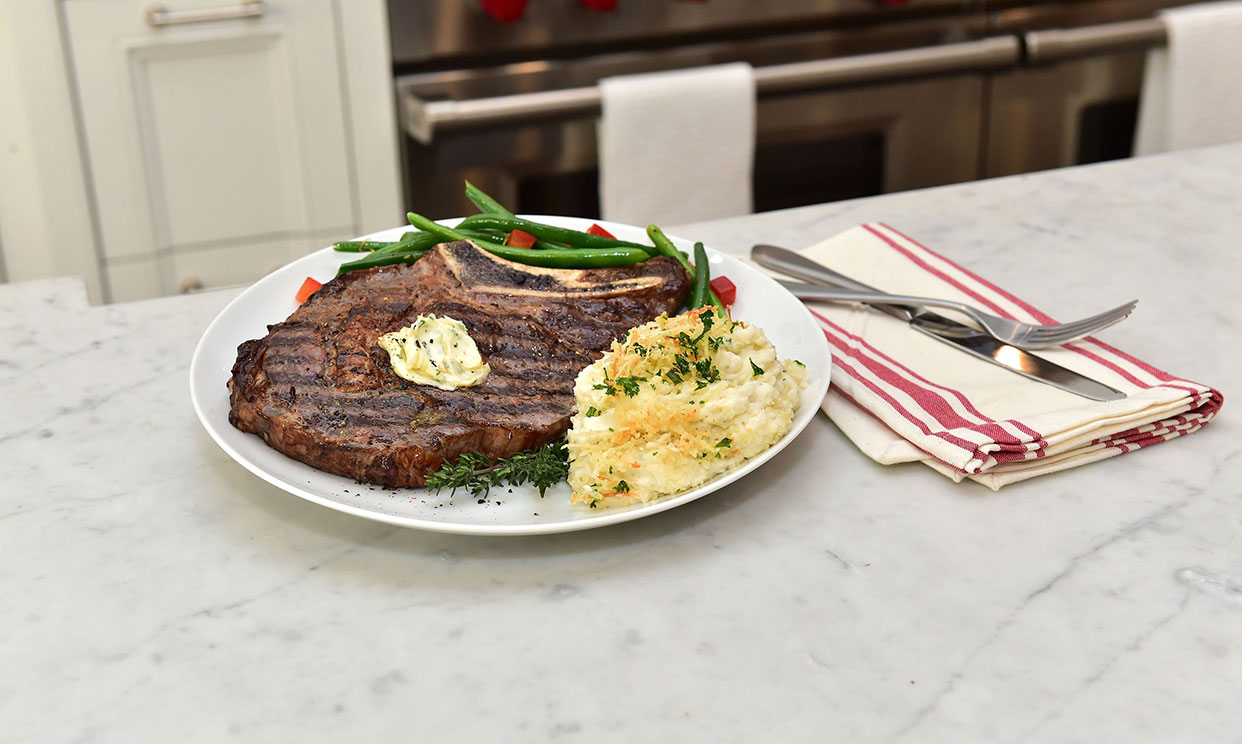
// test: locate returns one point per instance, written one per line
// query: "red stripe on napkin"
(924, 392)
(867, 411)
(904, 412)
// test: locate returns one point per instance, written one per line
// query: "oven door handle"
(1054, 45)
(421, 118)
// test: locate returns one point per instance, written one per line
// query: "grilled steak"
(320, 389)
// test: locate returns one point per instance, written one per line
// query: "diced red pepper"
(309, 287)
(724, 289)
(597, 230)
(520, 239)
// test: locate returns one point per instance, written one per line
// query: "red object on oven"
(505, 11)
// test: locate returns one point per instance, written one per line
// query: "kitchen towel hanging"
(677, 146)
(1191, 88)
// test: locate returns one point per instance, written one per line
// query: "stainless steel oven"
(851, 101)
(856, 97)
(1075, 98)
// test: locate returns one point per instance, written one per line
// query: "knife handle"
(790, 263)
(805, 268)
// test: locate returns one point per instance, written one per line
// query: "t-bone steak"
(321, 390)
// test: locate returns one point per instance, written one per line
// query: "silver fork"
(1012, 332)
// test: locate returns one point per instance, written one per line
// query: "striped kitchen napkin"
(901, 396)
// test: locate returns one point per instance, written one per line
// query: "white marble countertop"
(156, 591)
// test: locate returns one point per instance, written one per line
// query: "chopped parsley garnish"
(708, 319)
(629, 385)
(592, 411)
(726, 442)
(623, 487)
(684, 338)
(707, 370)
(755, 368)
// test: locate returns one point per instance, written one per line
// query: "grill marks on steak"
(320, 389)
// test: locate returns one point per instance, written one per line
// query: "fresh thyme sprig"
(542, 468)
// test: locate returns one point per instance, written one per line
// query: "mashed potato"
(675, 403)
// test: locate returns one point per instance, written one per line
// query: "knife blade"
(958, 335)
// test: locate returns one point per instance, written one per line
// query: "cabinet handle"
(158, 16)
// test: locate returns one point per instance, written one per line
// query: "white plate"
(760, 301)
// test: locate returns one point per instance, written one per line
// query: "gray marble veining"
(156, 591)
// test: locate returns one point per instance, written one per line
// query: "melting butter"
(437, 352)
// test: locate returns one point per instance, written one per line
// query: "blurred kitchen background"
(164, 148)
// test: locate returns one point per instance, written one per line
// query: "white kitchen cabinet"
(215, 150)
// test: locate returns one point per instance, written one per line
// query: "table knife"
(959, 335)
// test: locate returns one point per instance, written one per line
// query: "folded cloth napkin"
(677, 146)
(901, 396)
(1190, 89)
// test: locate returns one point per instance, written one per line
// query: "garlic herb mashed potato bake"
(677, 402)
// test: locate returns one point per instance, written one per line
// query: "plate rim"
(802, 419)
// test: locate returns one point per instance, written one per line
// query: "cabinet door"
(208, 139)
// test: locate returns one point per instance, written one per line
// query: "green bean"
(488, 205)
(573, 238)
(485, 203)
(413, 238)
(409, 241)
(380, 259)
(409, 249)
(697, 295)
(564, 258)
(368, 246)
(666, 247)
(494, 236)
(709, 294)
(444, 232)
(359, 246)
(498, 236)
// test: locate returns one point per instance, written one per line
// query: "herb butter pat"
(677, 402)
(437, 352)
